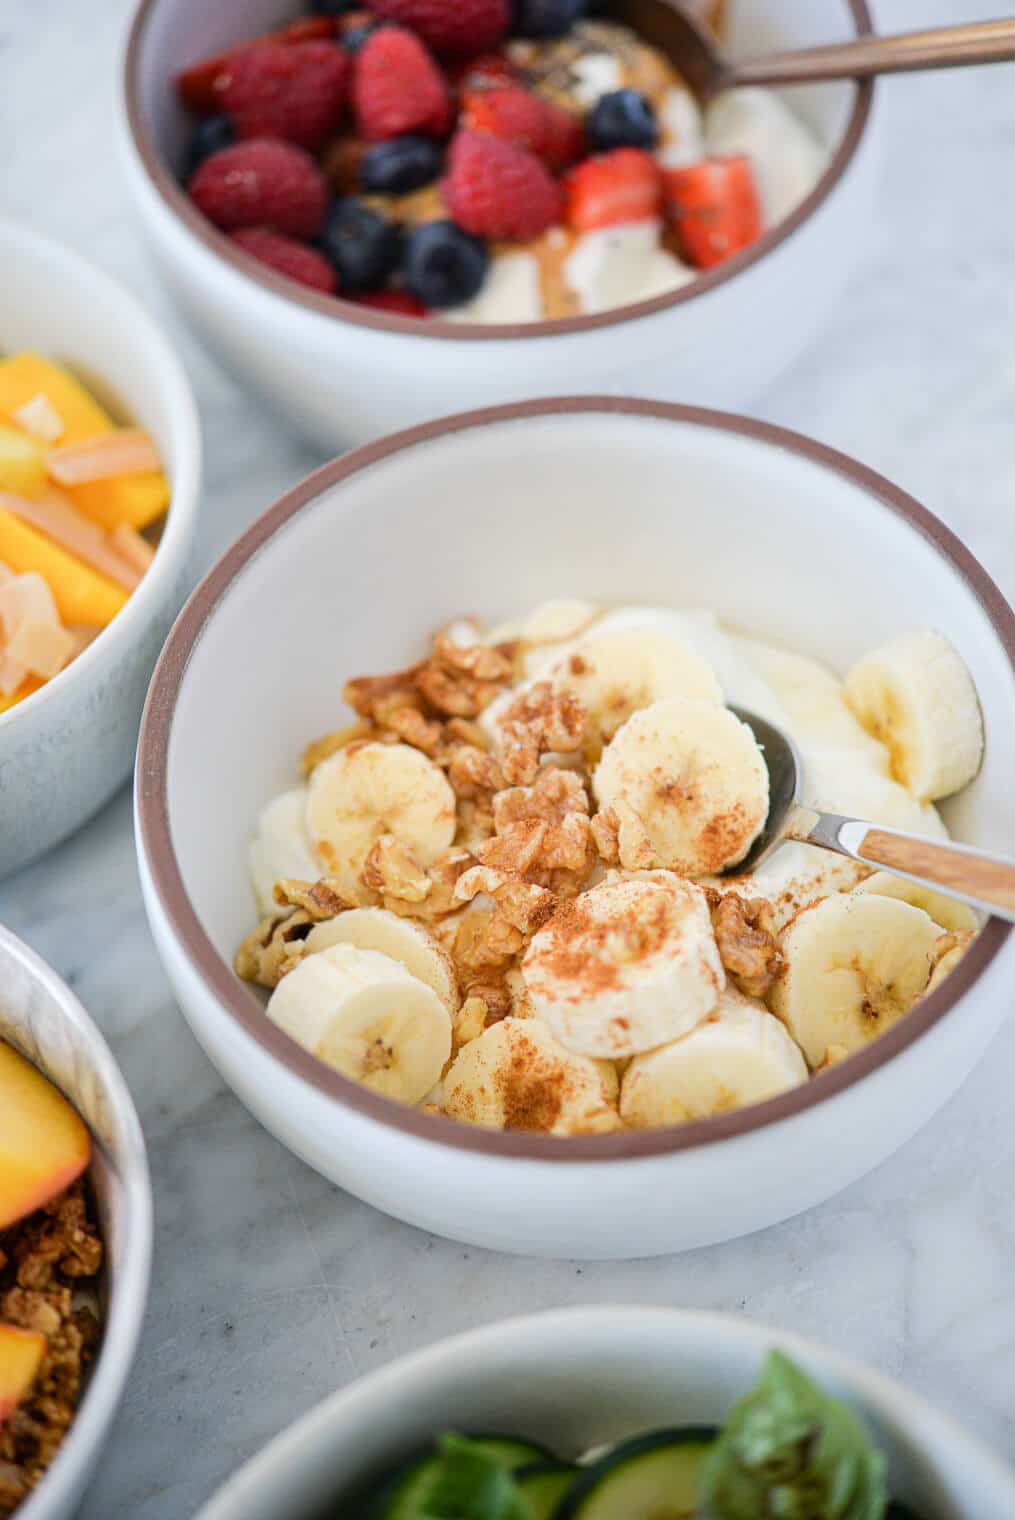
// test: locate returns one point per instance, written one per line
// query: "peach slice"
(21, 1353)
(44, 1144)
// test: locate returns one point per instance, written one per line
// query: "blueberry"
(547, 18)
(622, 119)
(364, 246)
(400, 164)
(208, 137)
(330, 7)
(444, 265)
(354, 38)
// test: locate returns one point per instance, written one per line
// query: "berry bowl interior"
(69, 746)
(42, 1019)
(583, 1377)
(343, 374)
(622, 502)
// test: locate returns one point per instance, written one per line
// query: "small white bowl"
(343, 374)
(494, 512)
(578, 1378)
(43, 1019)
(66, 749)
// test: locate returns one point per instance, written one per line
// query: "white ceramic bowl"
(342, 374)
(43, 1019)
(576, 1378)
(494, 512)
(66, 749)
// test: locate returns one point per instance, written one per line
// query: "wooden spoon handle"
(986, 879)
(943, 48)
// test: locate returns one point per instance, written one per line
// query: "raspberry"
(512, 114)
(261, 183)
(496, 190)
(564, 138)
(451, 26)
(397, 87)
(200, 86)
(295, 92)
(295, 260)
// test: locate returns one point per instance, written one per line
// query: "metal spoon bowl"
(972, 876)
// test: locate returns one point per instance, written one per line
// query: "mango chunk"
(22, 462)
(82, 595)
(28, 685)
(44, 1144)
(134, 499)
(21, 1354)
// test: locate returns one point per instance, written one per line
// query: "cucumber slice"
(544, 1486)
(652, 1477)
(402, 1497)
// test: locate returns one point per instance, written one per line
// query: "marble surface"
(272, 1288)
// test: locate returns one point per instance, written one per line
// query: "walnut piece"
(274, 948)
(747, 947)
(522, 904)
(320, 900)
(539, 721)
(392, 869)
(472, 772)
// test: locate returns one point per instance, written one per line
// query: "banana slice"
(854, 965)
(367, 790)
(843, 781)
(813, 701)
(516, 1076)
(403, 939)
(918, 698)
(946, 911)
(625, 966)
(739, 1055)
(693, 776)
(615, 674)
(281, 848)
(365, 1015)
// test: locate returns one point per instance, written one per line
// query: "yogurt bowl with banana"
(496, 904)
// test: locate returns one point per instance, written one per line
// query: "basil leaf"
(472, 1485)
(790, 1452)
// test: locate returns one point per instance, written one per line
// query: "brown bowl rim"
(156, 847)
(338, 310)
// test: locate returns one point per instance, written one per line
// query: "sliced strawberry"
(622, 186)
(402, 302)
(487, 72)
(397, 87)
(200, 85)
(715, 208)
(495, 190)
(512, 114)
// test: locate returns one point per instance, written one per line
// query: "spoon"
(983, 881)
(691, 47)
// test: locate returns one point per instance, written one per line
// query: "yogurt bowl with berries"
(377, 217)
(484, 923)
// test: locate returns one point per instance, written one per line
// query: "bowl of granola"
(595, 1413)
(486, 916)
(379, 216)
(75, 1239)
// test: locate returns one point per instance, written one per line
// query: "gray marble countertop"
(272, 1288)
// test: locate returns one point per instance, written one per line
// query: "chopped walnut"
(620, 836)
(320, 900)
(485, 662)
(274, 948)
(747, 946)
(410, 725)
(472, 773)
(558, 799)
(484, 943)
(377, 696)
(518, 851)
(475, 823)
(522, 904)
(330, 744)
(470, 1021)
(496, 998)
(392, 869)
(539, 721)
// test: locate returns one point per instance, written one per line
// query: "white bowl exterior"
(342, 384)
(43, 1019)
(580, 1377)
(67, 749)
(511, 513)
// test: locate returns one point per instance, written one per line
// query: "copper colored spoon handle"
(943, 48)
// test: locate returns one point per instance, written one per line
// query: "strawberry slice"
(612, 188)
(715, 208)
(200, 86)
(487, 72)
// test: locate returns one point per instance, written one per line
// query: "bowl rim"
(128, 1300)
(875, 1393)
(337, 310)
(217, 978)
(183, 470)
